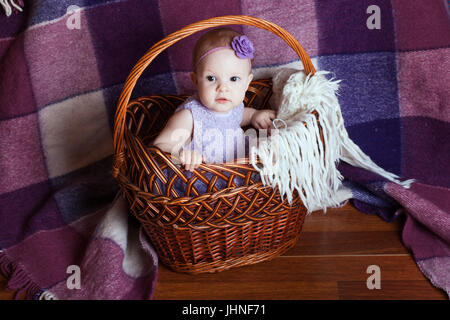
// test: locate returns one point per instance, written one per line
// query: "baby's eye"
(234, 79)
(211, 78)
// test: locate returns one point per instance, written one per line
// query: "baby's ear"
(193, 77)
(250, 78)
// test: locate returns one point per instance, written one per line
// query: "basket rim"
(189, 200)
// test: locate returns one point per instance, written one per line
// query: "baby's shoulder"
(181, 119)
(189, 103)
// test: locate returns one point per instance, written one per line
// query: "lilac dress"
(218, 137)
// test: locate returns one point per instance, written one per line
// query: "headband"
(242, 47)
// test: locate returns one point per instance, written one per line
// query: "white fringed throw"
(294, 157)
(9, 5)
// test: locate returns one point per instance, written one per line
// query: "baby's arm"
(176, 132)
(260, 119)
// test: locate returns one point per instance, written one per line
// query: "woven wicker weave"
(239, 224)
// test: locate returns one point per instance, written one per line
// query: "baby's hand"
(262, 119)
(191, 159)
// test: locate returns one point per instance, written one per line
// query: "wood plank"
(297, 278)
(246, 290)
(359, 242)
(307, 268)
(392, 290)
(347, 218)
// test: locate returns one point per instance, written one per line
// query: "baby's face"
(222, 79)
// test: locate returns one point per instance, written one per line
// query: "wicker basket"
(217, 229)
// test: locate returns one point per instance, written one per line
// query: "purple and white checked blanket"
(62, 67)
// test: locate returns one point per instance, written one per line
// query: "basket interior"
(230, 192)
(147, 116)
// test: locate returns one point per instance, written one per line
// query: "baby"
(207, 126)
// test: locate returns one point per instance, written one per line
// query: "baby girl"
(207, 126)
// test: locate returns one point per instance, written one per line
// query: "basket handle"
(156, 49)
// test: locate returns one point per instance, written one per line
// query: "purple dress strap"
(218, 137)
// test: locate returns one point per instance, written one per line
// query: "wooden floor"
(330, 261)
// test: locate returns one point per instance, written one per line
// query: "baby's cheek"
(243, 93)
(205, 97)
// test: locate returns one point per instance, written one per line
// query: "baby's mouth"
(222, 100)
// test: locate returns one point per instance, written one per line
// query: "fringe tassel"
(18, 278)
(45, 295)
(10, 6)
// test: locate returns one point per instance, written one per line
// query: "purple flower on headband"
(243, 47)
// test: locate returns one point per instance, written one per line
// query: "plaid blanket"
(64, 231)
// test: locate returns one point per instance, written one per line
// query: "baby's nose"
(222, 87)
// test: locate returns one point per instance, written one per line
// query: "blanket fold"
(19, 279)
